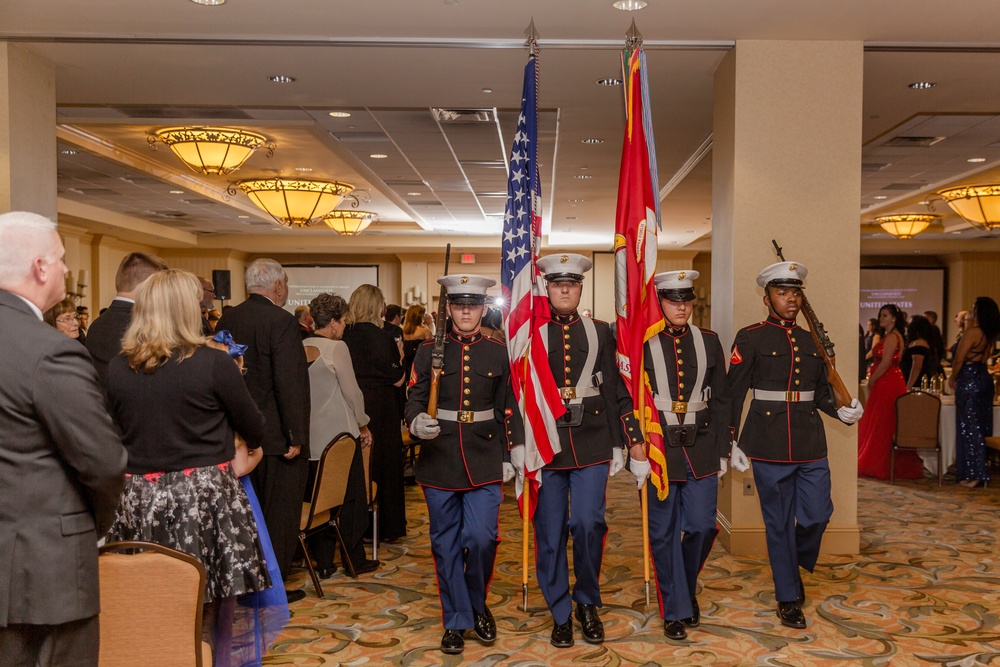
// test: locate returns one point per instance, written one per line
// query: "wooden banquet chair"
(151, 607)
(371, 489)
(918, 418)
(323, 510)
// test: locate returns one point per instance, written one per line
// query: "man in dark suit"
(278, 380)
(104, 338)
(61, 462)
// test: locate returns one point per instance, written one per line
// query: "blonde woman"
(378, 370)
(177, 403)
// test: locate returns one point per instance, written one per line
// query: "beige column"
(787, 166)
(27, 132)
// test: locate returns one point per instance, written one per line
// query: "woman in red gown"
(879, 421)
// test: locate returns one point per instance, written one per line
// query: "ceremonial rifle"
(437, 356)
(825, 346)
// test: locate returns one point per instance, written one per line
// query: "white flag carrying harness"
(589, 384)
(664, 401)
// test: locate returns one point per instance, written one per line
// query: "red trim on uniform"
(437, 579)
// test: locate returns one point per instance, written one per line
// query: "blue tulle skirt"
(257, 618)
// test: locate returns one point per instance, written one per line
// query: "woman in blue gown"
(973, 388)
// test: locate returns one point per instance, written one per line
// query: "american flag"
(637, 220)
(526, 307)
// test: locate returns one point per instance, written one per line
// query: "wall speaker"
(223, 289)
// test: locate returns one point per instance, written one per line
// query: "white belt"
(783, 396)
(678, 407)
(466, 416)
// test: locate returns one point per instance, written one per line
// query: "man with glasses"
(464, 457)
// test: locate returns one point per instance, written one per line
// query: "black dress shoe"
(452, 642)
(791, 615)
(562, 635)
(366, 565)
(326, 572)
(674, 630)
(593, 629)
(294, 595)
(695, 619)
(485, 627)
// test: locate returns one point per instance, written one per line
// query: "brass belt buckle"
(466, 416)
(791, 397)
(568, 393)
(679, 407)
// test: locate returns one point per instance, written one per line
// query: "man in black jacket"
(464, 458)
(104, 338)
(278, 380)
(687, 374)
(783, 434)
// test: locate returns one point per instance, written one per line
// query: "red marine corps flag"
(638, 311)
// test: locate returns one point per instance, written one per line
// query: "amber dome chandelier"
(211, 150)
(294, 202)
(349, 223)
(906, 225)
(979, 205)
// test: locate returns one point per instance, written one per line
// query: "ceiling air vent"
(463, 115)
(912, 142)
(173, 215)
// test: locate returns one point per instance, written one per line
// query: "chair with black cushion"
(918, 418)
(151, 606)
(323, 510)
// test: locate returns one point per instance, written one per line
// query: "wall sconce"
(414, 295)
(77, 290)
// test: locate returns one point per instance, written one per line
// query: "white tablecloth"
(947, 434)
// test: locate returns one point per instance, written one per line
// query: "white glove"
(723, 467)
(739, 459)
(517, 462)
(508, 472)
(617, 462)
(425, 427)
(849, 414)
(641, 471)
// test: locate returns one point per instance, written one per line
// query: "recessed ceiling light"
(976, 159)
(629, 5)
(575, 201)
(281, 78)
(378, 156)
(209, 3)
(340, 114)
(176, 192)
(592, 141)
(921, 85)
(243, 217)
(583, 177)
(68, 151)
(413, 194)
(487, 90)
(880, 197)
(958, 232)
(609, 82)
(303, 169)
(584, 167)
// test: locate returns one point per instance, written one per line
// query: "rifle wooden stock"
(432, 401)
(841, 394)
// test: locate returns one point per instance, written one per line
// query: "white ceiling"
(124, 70)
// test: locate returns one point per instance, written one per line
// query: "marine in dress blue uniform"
(687, 374)
(464, 458)
(598, 423)
(783, 433)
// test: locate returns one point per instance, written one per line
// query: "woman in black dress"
(379, 372)
(919, 361)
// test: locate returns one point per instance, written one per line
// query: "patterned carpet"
(925, 590)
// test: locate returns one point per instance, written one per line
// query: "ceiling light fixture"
(583, 177)
(979, 205)
(294, 202)
(68, 151)
(340, 114)
(209, 3)
(378, 156)
(303, 169)
(487, 90)
(349, 223)
(629, 5)
(906, 225)
(976, 159)
(413, 194)
(592, 141)
(281, 78)
(609, 82)
(575, 201)
(176, 192)
(880, 197)
(211, 150)
(921, 85)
